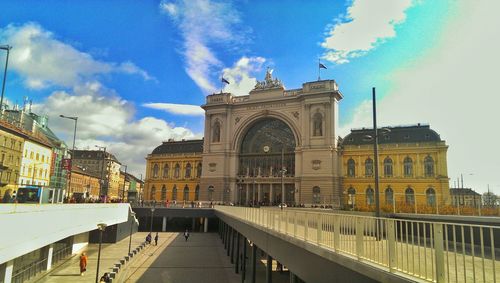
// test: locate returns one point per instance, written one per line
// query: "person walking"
(148, 239)
(156, 239)
(83, 263)
(105, 278)
(186, 234)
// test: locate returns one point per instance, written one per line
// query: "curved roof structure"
(171, 147)
(399, 134)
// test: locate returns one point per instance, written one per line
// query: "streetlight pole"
(375, 152)
(124, 179)
(6, 48)
(283, 171)
(74, 118)
(101, 227)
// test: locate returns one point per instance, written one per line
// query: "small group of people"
(149, 238)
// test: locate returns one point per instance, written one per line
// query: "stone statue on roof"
(268, 81)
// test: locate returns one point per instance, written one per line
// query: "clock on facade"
(266, 148)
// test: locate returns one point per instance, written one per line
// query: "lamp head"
(102, 226)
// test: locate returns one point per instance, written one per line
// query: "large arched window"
(197, 193)
(216, 132)
(188, 171)
(262, 147)
(156, 168)
(431, 196)
(351, 196)
(388, 167)
(174, 192)
(318, 125)
(177, 171)
(165, 171)
(408, 167)
(370, 196)
(389, 196)
(163, 193)
(316, 195)
(429, 166)
(198, 170)
(409, 196)
(152, 193)
(185, 195)
(351, 168)
(369, 167)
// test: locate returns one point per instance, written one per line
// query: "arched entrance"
(267, 162)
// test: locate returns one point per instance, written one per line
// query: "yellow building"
(412, 169)
(11, 152)
(84, 184)
(173, 171)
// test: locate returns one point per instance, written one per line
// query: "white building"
(36, 163)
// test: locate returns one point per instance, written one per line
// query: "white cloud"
(367, 24)
(42, 60)
(239, 76)
(454, 88)
(108, 120)
(203, 23)
(178, 109)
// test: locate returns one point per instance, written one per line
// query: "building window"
(177, 170)
(388, 167)
(152, 193)
(198, 170)
(431, 197)
(174, 193)
(188, 171)
(155, 170)
(369, 167)
(351, 196)
(186, 193)
(316, 195)
(163, 193)
(429, 166)
(165, 171)
(351, 168)
(211, 193)
(370, 196)
(389, 196)
(408, 167)
(409, 196)
(216, 132)
(318, 125)
(197, 193)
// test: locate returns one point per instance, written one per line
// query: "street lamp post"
(283, 172)
(6, 48)
(151, 226)
(101, 227)
(131, 228)
(74, 118)
(124, 179)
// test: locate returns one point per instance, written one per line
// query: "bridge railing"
(421, 250)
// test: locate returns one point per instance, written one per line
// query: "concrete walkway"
(69, 270)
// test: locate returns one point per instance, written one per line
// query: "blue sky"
(135, 71)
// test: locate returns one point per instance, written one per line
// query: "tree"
(490, 199)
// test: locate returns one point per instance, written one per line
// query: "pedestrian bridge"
(330, 247)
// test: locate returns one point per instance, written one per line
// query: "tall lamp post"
(74, 118)
(102, 170)
(6, 48)
(124, 179)
(101, 227)
(283, 172)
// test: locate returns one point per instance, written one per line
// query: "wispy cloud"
(178, 109)
(366, 25)
(42, 60)
(240, 78)
(204, 23)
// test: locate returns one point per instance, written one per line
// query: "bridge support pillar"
(293, 278)
(236, 266)
(205, 224)
(244, 260)
(49, 256)
(254, 262)
(232, 245)
(269, 269)
(9, 269)
(164, 224)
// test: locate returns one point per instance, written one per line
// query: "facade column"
(49, 256)
(247, 192)
(259, 193)
(193, 224)
(269, 269)
(164, 224)
(254, 262)
(236, 266)
(205, 225)
(9, 269)
(271, 195)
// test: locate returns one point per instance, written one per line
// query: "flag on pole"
(321, 66)
(222, 79)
